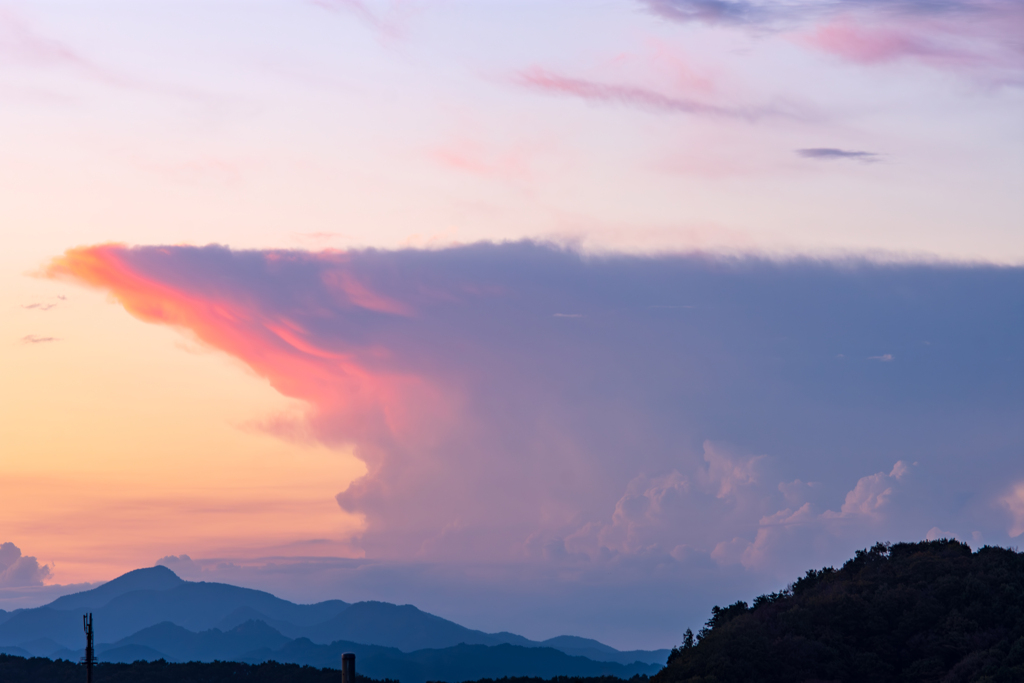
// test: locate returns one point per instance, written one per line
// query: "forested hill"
(931, 611)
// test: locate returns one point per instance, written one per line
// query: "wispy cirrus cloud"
(630, 95)
(389, 23)
(37, 339)
(24, 45)
(20, 43)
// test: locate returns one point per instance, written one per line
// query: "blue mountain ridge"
(255, 642)
(152, 613)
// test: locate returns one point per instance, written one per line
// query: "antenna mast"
(90, 655)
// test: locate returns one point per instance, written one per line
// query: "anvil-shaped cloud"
(524, 400)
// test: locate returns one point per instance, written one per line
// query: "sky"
(547, 317)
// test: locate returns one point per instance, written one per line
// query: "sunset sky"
(548, 317)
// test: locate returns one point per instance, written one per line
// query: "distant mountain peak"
(158, 578)
(158, 574)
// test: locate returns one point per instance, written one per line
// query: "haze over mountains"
(153, 614)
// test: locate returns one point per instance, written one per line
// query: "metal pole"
(90, 656)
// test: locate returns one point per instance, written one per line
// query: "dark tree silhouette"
(930, 611)
(678, 651)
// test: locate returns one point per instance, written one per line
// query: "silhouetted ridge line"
(157, 578)
(152, 614)
(39, 670)
(930, 611)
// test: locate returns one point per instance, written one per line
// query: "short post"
(348, 668)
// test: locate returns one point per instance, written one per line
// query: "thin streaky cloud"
(38, 307)
(36, 339)
(22, 44)
(388, 26)
(884, 358)
(832, 153)
(630, 95)
(766, 13)
(711, 11)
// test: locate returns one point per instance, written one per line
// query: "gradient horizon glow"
(547, 317)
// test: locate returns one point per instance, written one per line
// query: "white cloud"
(935, 533)
(731, 552)
(899, 470)
(791, 531)
(1014, 502)
(796, 491)
(643, 518)
(661, 514)
(182, 565)
(726, 473)
(784, 531)
(17, 570)
(870, 495)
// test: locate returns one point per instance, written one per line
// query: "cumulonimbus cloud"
(658, 419)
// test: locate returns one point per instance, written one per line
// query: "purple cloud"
(979, 37)
(831, 153)
(657, 430)
(17, 570)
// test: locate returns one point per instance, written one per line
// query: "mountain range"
(151, 614)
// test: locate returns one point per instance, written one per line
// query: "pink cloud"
(869, 43)
(471, 157)
(357, 394)
(871, 494)
(981, 39)
(20, 43)
(631, 95)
